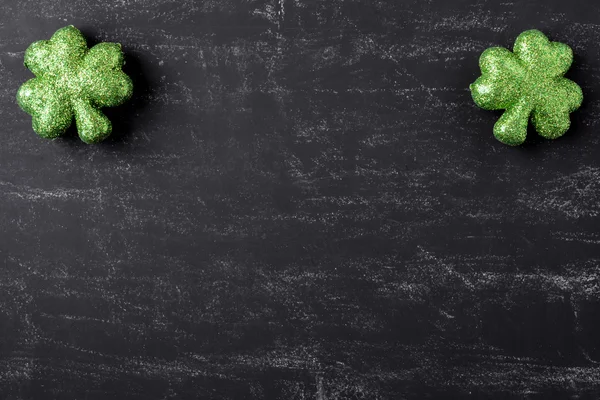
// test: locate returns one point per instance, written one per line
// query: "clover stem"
(92, 125)
(511, 128)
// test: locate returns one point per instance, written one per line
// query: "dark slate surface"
(301, 202)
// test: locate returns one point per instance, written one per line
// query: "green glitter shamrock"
(73, 81)
(528, 83)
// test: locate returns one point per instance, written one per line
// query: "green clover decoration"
(73, 81)
(529, 84)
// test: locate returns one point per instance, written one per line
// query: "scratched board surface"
(300, 202)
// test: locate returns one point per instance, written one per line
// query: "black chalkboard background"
(300, 202)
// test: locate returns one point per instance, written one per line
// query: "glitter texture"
(73, 81)
(528, 83)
